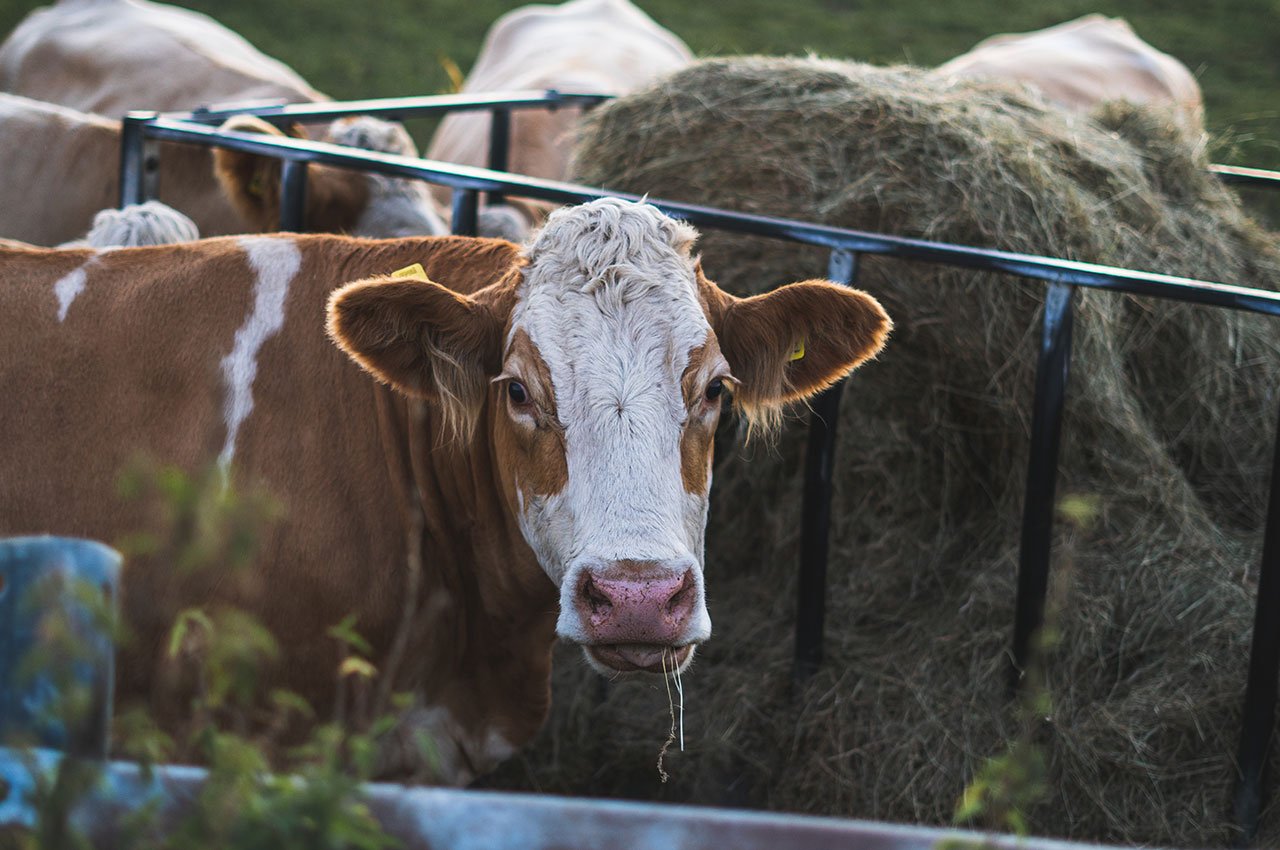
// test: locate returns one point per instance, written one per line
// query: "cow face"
(597, 368)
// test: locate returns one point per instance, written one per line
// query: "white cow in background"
(113, 56)
(1082, 63)
(108, 57)
(599, 46)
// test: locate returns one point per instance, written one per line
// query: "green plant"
(304, 795)
(1007, 787)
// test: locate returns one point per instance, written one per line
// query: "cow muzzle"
(639, 615)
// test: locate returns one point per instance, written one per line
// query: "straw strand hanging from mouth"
(671, 704)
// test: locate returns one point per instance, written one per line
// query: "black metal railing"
(1062, 276)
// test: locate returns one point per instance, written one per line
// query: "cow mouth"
(640, 657)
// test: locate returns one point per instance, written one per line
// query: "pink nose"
(636, 605)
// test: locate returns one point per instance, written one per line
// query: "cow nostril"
(594, 597)
(683, 597)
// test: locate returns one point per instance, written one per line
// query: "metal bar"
(1052, 371)
(465, 210)
(139, 161)
(819, 466)
(1264, 668)
(393, 108)
(1240, 175)
(485, 180)
(293, 196)
(499, 146)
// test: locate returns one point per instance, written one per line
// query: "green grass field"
(398, 47)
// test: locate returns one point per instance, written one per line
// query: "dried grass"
(1169, 425)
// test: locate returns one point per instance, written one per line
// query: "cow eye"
(714, 389)
(517, 393)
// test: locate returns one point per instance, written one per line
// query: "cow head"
(338, 200)
(597, 368)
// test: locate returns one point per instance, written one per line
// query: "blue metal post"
(819, 465)
(57, 598)
(1052, 371)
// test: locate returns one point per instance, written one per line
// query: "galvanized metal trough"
(451, 819)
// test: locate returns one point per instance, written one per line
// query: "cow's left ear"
(423, 339)
(795, 341)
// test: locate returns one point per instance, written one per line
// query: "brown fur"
(376, 486)
(140, 350)
(839, 327)
(699, 430)
(540, 453)
(334, 197)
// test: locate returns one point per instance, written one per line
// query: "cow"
(516, 440)
(108, 57)
(67, 162)
(601, 46)
(1082, 63)
(112, 56)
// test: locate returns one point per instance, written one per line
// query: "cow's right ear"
(252, 182)
(423, 339)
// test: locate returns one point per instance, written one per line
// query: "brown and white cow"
(602, 46)
(107, 57)
(533, 426)
(1084, 62)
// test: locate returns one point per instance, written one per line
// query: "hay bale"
(1168, 429)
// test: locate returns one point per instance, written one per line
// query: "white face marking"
(275, 261)
(612, 307)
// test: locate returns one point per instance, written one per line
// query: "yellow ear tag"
(414, 270)
(797, 352)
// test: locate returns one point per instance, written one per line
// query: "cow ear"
(423, 339)
(793, 342)
(251, 182)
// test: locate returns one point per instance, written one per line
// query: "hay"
(1168, 431)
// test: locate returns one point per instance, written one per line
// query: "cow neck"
(487, 610)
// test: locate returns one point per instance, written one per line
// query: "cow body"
(109, 57)
(599, 46)
(67, 163)
(1082, 63)
(538, 432)
(155, 57)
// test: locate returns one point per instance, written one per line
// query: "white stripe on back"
(275, 261)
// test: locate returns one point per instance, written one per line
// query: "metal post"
(293, 195)
(815, 532)
(464, 212)
(499, 146)
(139, 161)
(57, 602)
(1052, 372)
(1264, 668)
